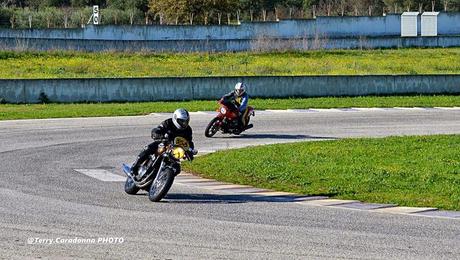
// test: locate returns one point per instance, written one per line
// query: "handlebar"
(229, 104)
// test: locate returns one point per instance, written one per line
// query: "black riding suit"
(240, 104)
(158, 133)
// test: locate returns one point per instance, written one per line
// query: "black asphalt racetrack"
(44, 199)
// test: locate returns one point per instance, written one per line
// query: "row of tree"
(142, 5)
(211, 11)
(72, 13)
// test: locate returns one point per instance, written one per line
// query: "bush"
(2, 100)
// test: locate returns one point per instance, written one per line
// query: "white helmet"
(240, 88)
(181, 118)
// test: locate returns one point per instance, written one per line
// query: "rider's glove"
(192, 153)
(156, 135)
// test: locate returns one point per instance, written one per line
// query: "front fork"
(175, 167)
(169, 163)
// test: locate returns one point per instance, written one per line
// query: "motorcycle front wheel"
(212, 128)
(161, 185)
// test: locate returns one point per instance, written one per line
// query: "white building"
(409, 24)
(429, 24)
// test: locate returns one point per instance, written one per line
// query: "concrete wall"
(262, 44)
(331, 27)
(449, 24)
(320, 33)
(156, 89)
(323, 26)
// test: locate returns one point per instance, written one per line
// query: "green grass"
(9, 111)
(61, 64)
(408, 171)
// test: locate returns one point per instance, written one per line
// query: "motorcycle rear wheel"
(130, 187)
(211, 129)
(161, 185)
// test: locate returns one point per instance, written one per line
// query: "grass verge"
(408, 171)
(72, 64)
(37, 111)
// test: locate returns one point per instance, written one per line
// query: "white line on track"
(209, 184)
(102, 175)
(448, 108)
(207, 112)
(369, 108)
(303, 110)
(325, 110)
(199, 113)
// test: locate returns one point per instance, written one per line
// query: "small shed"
(429, 24)
(409, 24)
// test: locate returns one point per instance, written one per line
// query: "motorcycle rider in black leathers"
(239, 99)
(169, 129)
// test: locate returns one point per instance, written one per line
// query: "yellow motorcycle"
(156, 174)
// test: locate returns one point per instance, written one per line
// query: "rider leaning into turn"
(177, 126)
(240, 99)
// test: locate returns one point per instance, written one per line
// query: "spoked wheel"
(161, 185)
(212, 128)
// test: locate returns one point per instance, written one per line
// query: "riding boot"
(240, 123)
(148, 150)
(136, 165)
(141, 158)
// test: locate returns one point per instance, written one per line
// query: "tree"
(13, 3)
(455, 5)
(193, 11)
(293, 4)
(169, 11)
(83, 3)
(129, 4)
(268, 5)
(250, 7)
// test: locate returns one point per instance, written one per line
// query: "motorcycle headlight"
(223, 110)
(178, 153)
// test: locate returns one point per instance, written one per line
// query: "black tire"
(211, 129)
(161, 185)
(130, 187)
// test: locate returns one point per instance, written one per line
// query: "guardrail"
(202, 88)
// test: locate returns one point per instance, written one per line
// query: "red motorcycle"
(227, 120)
